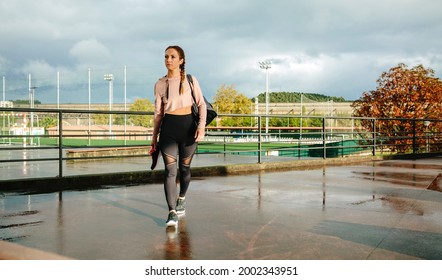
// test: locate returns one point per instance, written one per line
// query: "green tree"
(24, 101)
(49, 122)
(102, 119)
(142, 105)
(139, 105)
(229, 101)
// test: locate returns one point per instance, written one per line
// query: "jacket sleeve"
(158, 108)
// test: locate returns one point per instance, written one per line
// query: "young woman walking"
(175, 132)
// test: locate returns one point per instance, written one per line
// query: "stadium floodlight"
(110, 79)
(266, 65)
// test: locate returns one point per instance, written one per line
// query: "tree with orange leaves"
(402, 99)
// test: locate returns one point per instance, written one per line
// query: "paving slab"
(381, 210)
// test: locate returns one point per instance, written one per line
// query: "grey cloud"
(91, 52)
(332, 47)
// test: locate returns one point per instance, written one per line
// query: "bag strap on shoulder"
(190, 80)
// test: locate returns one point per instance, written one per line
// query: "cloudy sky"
(331, 47)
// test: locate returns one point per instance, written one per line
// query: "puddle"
(436, 185)
(397, 178)
(409, 165)
(14, 227)
(13, 239)
(20, 225)
(402, 206)
(23, 213)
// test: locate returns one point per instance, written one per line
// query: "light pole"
(4, 88)
(125, 109)
(58, 89)
(110, 79)
(89, 107)
(427, 146)
(266, 65)
(3, 103)
(31, 104)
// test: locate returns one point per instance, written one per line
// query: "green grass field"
(240, 148)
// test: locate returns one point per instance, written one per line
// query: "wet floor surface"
(50, 168)
(380, 210)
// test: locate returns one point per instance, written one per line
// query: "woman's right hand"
(154, 143)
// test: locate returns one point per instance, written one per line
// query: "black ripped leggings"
(177, 137)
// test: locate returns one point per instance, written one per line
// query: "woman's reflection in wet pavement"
(177, 245)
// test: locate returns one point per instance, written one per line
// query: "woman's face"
(172, 60)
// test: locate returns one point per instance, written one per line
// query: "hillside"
(295, 97)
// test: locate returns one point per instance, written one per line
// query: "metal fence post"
(324, 142)
(224, 146)
(60, 144)
(373, 152)
(414, 136)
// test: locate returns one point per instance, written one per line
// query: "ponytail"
(183, 75)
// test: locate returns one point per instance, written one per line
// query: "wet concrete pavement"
(50, 168)
(373, 210)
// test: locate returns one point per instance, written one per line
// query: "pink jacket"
(175, 100)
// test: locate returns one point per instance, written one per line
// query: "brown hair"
(182, 66)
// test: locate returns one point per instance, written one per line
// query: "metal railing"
(299, 137)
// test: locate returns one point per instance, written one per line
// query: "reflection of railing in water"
(331, 137)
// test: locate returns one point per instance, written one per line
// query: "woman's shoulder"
(191, 77)
(161, 81)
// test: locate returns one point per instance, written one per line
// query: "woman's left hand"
(199, 134)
